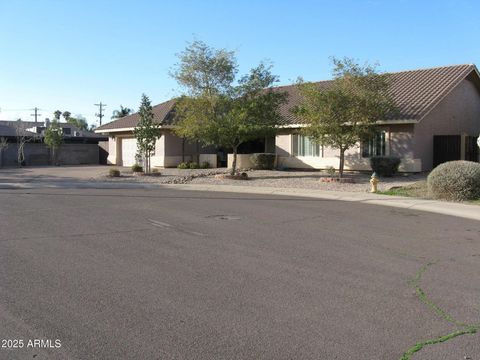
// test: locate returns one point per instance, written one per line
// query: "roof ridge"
(387, 73)
(429, 68)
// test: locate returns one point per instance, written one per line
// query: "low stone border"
(337, 180)
(238, 176)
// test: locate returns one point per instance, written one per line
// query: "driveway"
(53, 173)
(164, 274)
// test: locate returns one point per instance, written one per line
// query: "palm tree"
(66, 115)
(124, 111)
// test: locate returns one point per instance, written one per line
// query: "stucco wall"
(399, 139)
(457, 113)
(39, 154)
(243, 161)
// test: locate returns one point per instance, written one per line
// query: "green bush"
(193, 165)
(204, 165)
(455, 180)
(114, 173)
(137, 168)
(385, 165)
(330, 170)
(183, 165)
(263, 161)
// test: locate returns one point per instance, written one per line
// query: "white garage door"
(129, 149)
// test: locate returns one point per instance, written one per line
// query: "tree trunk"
(183, 150)
(234, 162)
(147, 162)
(342, 163)
(198, 153)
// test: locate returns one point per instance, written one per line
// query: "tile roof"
(415, 93)
(161, 114)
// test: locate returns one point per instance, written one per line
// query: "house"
(79, 146)
(438, 120)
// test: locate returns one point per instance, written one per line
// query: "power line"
(100, 114)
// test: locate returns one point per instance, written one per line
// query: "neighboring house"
(438, 120)
(79, 147)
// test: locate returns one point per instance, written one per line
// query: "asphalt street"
(166, 274)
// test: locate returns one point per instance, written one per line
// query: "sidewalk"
(439, 207)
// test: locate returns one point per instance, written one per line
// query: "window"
(375, 146)
(67, 131)
(304, 146)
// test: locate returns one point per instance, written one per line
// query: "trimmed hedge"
(137, 168)
(455, 180)
(113, 172)
(263, 161)
(385, 165)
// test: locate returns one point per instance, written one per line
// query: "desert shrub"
(114, 173)
(330, 170)
(183, 165)
(137, 168)
(455, 180)
(204, 165)
(193, 165)
(263, 161)
(385, 165)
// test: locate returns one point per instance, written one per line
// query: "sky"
(70, 55)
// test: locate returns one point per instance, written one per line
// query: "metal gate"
(446, 148)
(471, 148)
(449, 148)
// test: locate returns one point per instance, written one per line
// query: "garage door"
(129, 149)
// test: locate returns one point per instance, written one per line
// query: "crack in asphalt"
(422, 296)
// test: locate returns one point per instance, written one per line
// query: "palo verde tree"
(217, 109)
(53, 138)
(146, 132)
(346, 111)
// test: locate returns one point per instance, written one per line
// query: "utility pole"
(36, 113)
(100, 114)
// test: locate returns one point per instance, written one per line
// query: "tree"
(122, 112)
(146, 132)
(215, 110)
(66, 115)
(53, 138)
(79, 121)
(3, 147)
(346, 112)
(22, 137)
(57, 114)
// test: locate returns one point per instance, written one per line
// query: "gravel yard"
(311, 180)
(273, 178)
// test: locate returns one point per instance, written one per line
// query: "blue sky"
(68, 55)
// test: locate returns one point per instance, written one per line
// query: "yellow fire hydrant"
(374, 182)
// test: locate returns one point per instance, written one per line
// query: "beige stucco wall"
(456, 114)
(168, 150)
(243, 161)
(399, 139)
